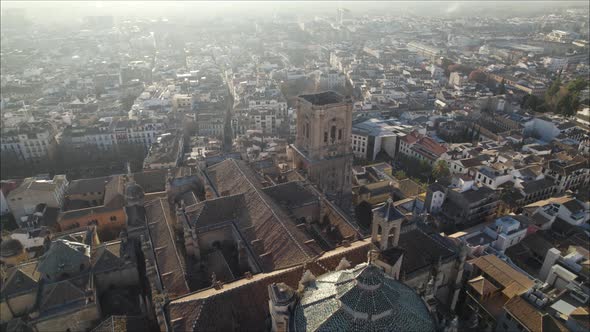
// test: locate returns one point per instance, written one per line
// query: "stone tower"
(323, 145)
(386, 226)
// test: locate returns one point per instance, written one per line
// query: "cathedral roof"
(259, 217)
(243, 304)
(63, 256)
(362, 299)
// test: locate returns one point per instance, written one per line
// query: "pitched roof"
(581, 316)
(290, 194)
(514, 282)
(411, 138)
(536, 185)
(107, 257)
(243, 304)
(22, 278)
(423, 247)
(255, 214)
(531, 317)
(432, 146)
(64, 292)
(114, 192)
(151, 180)
(63, 255)
(482, 285)
(169, 262)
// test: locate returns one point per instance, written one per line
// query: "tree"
(576, 85)
(531, 102)
(425, 168)
(440, 170)
(554, 88)
(400, 175)
(567, 104)
(364, 214)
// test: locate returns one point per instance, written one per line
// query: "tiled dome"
(360, 299)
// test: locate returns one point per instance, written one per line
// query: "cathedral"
(322, 150)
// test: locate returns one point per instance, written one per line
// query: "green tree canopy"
(440, 170)
(400, 175)
(578, 84)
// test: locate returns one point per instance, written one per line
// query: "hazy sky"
(73, 10)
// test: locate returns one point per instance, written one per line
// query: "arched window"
(333, 132)
(339, 134)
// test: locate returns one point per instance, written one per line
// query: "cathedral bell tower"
(322, 149)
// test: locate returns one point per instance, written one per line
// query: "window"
(113, 218)
(339, 133)
(333, 132)
(325, 136)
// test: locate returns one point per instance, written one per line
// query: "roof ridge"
(271, 210)
(173, 242)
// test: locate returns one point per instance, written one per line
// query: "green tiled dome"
(360, 299)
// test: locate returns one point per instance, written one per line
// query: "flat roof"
(323, 98)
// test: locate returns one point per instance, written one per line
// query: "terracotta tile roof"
(113, 195)
(432, 146)
(411, 138)
(243, 304)
(482, 285)
(255, 214)
(531, 317)
(169, 262)
(290, 194)
(514, 282)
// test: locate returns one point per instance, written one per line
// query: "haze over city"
(295, 166)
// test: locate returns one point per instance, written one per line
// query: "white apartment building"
(138, 132)
(29, 141)
(333, 79)
(501, 235)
